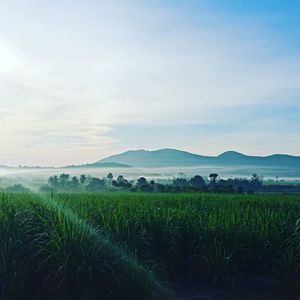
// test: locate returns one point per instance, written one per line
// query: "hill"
(178, 158)
(100, 165)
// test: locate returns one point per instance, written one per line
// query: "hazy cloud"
(72, 73)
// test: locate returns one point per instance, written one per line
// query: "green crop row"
(124, 245)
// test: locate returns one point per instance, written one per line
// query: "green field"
(138, 245)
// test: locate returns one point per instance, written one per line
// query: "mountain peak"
(168, 157)
(231, 154)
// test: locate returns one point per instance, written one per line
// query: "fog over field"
(33, 178)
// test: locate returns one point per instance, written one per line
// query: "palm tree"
(82, 179)
(213, 177)
(53, 181)
(110, 177)
(63, 178)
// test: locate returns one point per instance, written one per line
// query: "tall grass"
(200, 235)
(48, 251)
(121, 246)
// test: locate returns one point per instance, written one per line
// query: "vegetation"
(67, 183)
(47, 251)
(17, 188)
(126, 245)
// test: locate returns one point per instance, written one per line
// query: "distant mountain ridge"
(178, 158)
(100, 165)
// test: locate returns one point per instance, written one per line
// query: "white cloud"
(72, 71)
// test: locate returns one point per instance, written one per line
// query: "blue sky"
(80, 80)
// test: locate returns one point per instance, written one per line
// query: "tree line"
(83, 183)
(213, 183)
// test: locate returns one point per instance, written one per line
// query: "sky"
(81, 80)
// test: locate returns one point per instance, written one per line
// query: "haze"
(81, 80)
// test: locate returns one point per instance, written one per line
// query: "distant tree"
(142, 184)
(197, 182)
(114, 183)
(74, 184)
(121, 182)
(256, 182)
(142, 181)
(45, 188)
(213, 177)
(82, 179)
(181, 182)
(53, 182)
(224, 186)
(17, 188)
(160, 188)
(63, 178)
(95, 184)
(110, 177)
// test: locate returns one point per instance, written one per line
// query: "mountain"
(158, 158)
(100, 165)
(178, 158)
(92, 165)
(275, 160)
